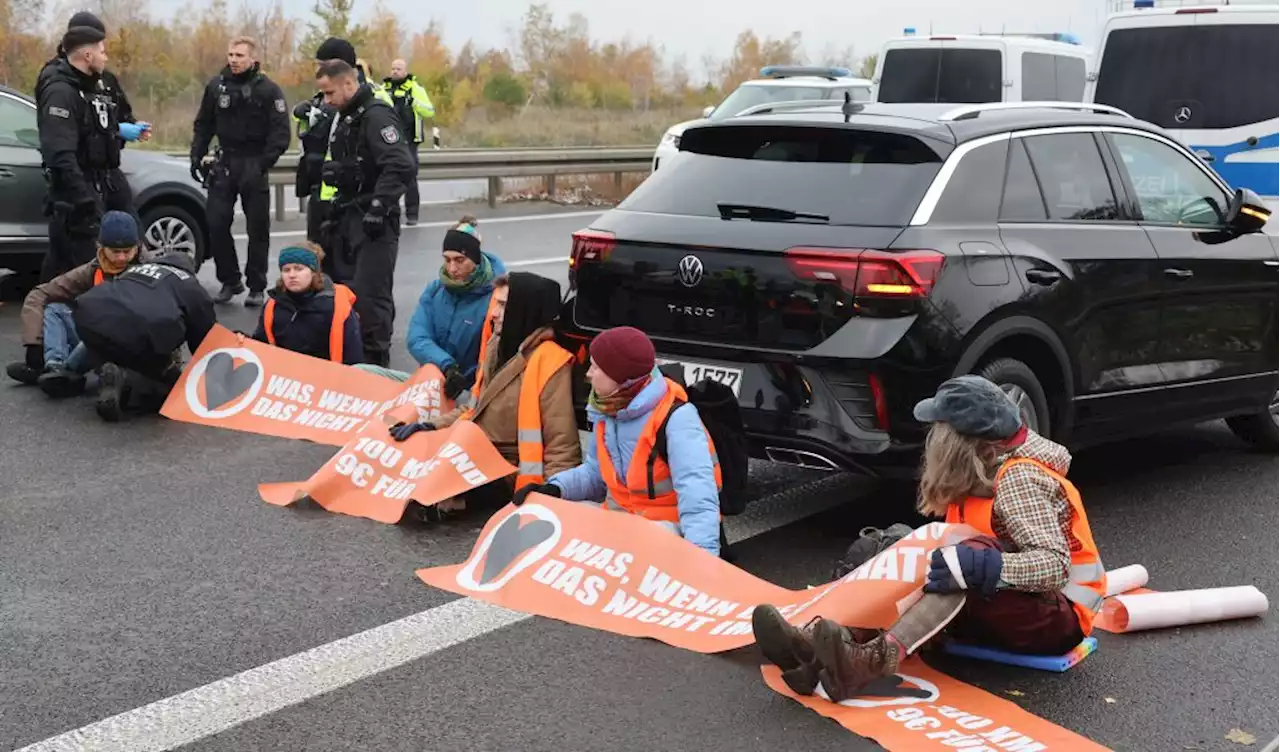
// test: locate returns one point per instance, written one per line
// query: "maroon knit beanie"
(624, 353)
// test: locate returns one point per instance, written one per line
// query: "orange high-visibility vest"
(486, 334)
(651, 495)
(98, 276)
(343, 301)
(1087, 585)
(546, 359)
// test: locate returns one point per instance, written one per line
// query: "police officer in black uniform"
(370, 166)
(315, 126)
(247, 112)
(79, 148)
(110, 86)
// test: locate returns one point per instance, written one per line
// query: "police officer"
(315, 127)
(413, 106)
(79, 149)
(247, 112)
(371, 167)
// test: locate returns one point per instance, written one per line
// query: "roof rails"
(970, 111)
(796, 104)
(788, 71)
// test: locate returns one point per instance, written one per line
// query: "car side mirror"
(1246, 213)
(706, 111)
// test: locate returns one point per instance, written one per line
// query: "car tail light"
(590, 245)
(869, 273)
(881, 404)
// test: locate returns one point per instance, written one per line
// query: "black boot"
(23, 373)
(228, 292)
(110, 404)
(254, 299)
(60, 382)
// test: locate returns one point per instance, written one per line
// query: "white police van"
(981, 68)
(1206, 71)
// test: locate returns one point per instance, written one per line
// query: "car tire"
(1259, 429)
(1020, 383)
(169, 224)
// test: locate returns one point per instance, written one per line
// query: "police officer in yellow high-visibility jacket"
(412, 104)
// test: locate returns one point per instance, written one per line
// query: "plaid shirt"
(1032, 513)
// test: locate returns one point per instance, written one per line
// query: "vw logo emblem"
(689, 271)
(1183, 114)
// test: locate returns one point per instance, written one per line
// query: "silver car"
(170, 204)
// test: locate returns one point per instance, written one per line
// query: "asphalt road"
(137, 563)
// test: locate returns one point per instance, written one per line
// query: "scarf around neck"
(610, 405)
(482, 276)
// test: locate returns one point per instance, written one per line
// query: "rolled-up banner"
(1133, 613)
(1124, 579)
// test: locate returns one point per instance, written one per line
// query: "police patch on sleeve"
(61, 112)
(280, 106)
(390, 134)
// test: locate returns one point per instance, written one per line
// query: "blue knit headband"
(295, 255)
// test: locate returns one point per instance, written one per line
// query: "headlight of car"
(671, 139)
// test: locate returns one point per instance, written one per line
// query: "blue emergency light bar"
(1144, 3)
(788, 71)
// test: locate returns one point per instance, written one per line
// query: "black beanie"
(79, 36)
(534, 302)
(85, 18)
(464, 239)
(334, 48)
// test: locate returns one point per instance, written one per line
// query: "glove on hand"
(402, 431)
(375, 219)
(548, 489)
(454, 381)
(130, 131)
(980, 568)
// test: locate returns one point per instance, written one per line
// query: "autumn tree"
(867, 68)
(750, 54)
(333, 19)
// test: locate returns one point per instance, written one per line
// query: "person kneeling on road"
(56, 359)
(309, 314)
(631, 402)
(1032, 582)
(445, 329)
(138, 324)
(524, 390)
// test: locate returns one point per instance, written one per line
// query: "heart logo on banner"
(510, 541)
(225, 381)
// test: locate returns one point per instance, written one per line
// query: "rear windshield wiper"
(767, 214)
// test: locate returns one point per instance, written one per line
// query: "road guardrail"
(493, 165)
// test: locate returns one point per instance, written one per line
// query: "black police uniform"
(80, 151)
(248, 114)
(315, 126)
(370, 166)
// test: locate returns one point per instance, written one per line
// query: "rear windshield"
(1192, 77)
(750, 95)
(854, 177)
(919, 74)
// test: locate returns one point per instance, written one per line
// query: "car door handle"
(1043, 276)
(1179, 273)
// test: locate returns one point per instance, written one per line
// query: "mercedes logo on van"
(1183, 114)
(689, 271)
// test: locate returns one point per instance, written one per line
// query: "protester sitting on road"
(308, 313)
(446, 326)
(1032, 582)
(630, 403)
(56, 359)
(138, 324)
(524, 391)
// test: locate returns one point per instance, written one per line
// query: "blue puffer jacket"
(445, 327)
(689, 456)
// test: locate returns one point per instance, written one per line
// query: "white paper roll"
(1132, 613)
(1125, 579)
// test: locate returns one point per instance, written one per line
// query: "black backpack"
(718, 408)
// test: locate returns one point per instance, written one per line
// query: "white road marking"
(484, 221)
(227, 703)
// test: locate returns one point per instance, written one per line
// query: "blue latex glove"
(979, 567)
(131, 131)
(403, 431)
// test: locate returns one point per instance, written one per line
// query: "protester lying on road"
(1031, 583)
(138, 324)
(445, 328)
(56, 359)
(308, 313)
(630, 403)
(524, 391)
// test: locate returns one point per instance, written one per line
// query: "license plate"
(695, 372)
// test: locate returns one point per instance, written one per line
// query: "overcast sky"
(695, 29)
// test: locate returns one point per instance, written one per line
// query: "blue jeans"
(61, 343)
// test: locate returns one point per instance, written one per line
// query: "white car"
(778, 83)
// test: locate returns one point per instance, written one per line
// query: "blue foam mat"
(1058, 663)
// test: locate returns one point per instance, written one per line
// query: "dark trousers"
(411, 200)
(317, 213)
(73, 238)
(373, 278)
(242, 177)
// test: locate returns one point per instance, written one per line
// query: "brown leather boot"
(791, 648)
(847, 664)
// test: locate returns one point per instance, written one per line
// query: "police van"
(1207, 73)
(981, 68)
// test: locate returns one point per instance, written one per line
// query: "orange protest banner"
(919, 709)
(374, 476)
(257, 388)
(623, 574)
